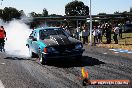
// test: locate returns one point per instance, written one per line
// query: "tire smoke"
(17, 33)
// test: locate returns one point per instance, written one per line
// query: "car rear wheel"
(42, 59)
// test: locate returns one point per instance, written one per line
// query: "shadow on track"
(73, 62)
(16, 58)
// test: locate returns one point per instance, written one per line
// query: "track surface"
(18, 72)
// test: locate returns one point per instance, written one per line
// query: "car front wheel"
(78, 58)
(32, 54)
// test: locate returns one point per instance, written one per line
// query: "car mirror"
(33, 39)
(30, 37)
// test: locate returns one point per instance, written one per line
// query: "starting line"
(121, 51)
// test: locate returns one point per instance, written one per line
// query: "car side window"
(36, 35)
(42, 35)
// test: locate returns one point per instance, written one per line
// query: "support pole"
(90, 25)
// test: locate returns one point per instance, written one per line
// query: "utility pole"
(90, 25)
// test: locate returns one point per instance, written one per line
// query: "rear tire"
(42, 59)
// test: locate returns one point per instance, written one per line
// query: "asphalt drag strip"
(65, 72)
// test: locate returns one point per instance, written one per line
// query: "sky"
(58, 6)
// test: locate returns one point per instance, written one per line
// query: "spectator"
(2, 37)
(116, 32)
(99, 31)
(77, 33)
(103, 29)
(120, 31)
(84, 34)
(67, 29)
(95, 34)
(108, 33)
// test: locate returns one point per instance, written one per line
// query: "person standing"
(120, 30)
(77, 33)
(99, 31)
(116, 32)
(95, 34)
(67, 29)
(2, 37)
(85, 36)
(108, 33)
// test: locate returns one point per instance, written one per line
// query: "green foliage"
(131, 9)
(45, 12)
(76, 8)
(102, 14)
(117, 12)
(33, 14)
(8, 13)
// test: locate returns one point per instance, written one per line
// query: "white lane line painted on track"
(116, 52)
(2, 63)
(129, 52)
(121, 51)
(1, 84)
(112, 49)
(104, 53)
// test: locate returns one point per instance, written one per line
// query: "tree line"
(73, 8)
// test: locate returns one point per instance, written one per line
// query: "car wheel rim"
(41, 58)
(30, 53)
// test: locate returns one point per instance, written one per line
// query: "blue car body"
(53, 42)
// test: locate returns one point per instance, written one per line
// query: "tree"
(1, 13)
(22, 13)
(9, 13)
(45, 12)
(76, 8)
(33, 14)
(117, 12)
(131, 9)
(102, 14)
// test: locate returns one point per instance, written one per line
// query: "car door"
(30, 39)
(35, 44)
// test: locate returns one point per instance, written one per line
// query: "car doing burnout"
(53, 42)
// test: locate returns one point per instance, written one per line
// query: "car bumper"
(65, 54)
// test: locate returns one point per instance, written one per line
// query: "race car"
(53, 42)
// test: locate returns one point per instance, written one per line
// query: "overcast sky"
(58, 6)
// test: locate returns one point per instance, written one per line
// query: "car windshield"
(45, 34)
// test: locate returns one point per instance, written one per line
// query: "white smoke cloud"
(17, 33)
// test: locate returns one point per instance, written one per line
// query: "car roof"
(45, 28)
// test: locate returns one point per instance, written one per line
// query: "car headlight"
(78, 46)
